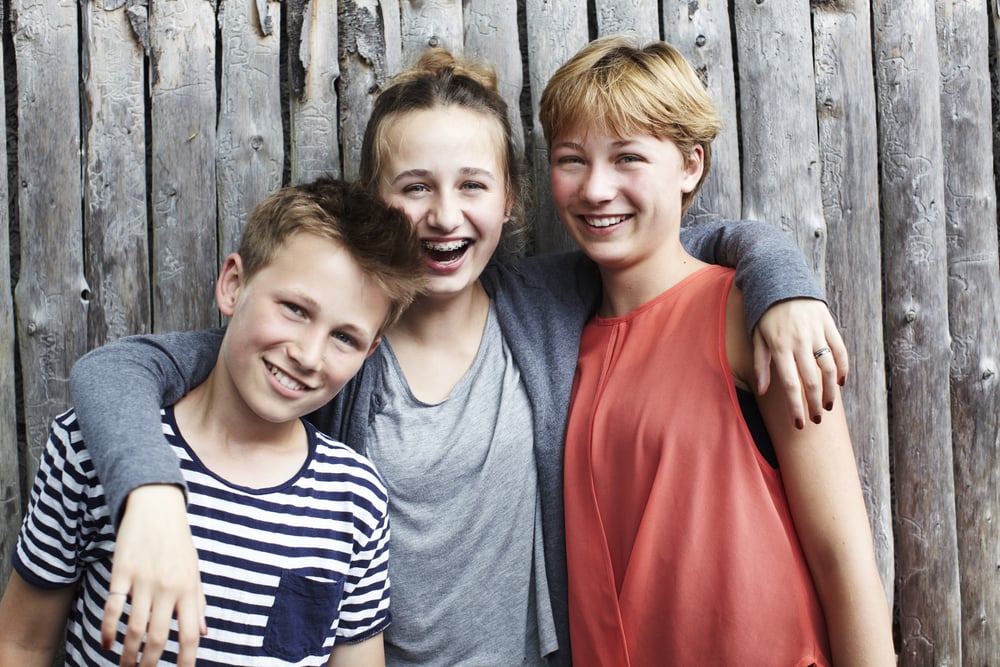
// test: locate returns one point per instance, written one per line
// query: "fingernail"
(817, 419)
(842, 380)
(828, 406)
(798, 423)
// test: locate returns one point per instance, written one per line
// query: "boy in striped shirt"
(291, 526)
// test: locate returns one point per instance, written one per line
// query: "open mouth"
(445, 252)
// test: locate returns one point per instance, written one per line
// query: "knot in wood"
(700, 40)
(256, 142)
(911, 316)
(433, 41)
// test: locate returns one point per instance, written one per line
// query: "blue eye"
(293, 308)
(416, 187)
(344, 338)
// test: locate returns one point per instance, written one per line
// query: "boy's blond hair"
(618, 86)
(381, 239)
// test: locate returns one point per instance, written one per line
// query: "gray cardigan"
(542, 304)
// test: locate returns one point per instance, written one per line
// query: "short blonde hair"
(382, 240)
(618, 86)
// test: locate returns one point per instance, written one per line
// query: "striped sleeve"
(59, 524)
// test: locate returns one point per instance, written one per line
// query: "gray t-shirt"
(467, 563)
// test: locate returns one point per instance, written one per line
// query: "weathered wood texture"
(10, 484)
(184, 106)
(250, 152)
(862, 127)
(917, 337)
(845, 108)
(51, 315)
(973, 316)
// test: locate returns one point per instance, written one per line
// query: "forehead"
(449, 133)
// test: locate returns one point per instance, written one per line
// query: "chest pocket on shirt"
(304, 611)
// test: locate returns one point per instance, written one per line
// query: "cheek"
(563, 186)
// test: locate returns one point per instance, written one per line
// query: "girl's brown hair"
(439, 79)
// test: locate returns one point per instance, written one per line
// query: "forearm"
(769, 267)
(118, 391)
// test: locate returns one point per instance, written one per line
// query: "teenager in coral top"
(701, 526)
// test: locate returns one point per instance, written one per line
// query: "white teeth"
(445, 246)
(604, 222)
(284, 380)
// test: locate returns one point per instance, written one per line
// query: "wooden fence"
(139, 133)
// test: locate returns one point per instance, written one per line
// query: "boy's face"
(620, 197)
(299, 328)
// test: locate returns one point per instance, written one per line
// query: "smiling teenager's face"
(443, 168)
(619, 197)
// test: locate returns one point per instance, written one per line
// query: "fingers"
(791, 335)
(136, 629)
(761, 363)
(114, 607)
(190, 627)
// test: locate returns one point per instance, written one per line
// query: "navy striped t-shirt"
(287, 571)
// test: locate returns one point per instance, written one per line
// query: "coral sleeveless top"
(680, 544)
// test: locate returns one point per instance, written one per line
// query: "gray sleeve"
(769, 266)
(118, 391)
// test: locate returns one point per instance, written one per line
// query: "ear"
(693, 168)
(375, 344)
(227, 288)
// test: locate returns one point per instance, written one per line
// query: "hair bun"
(437, 61)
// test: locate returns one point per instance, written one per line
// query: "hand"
(787, 337)
(155, 562)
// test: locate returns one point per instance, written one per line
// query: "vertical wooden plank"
(362, 74)
(250, 151)
(183, 100)
(51, 315)
(315, 138)
(490, 36)
(845, 103)
(115, 217)
(973, 312)
(556, 31)
(701, 32)
(780, 146)
(639, 17)
(919, 356)
(10, 490)
(430, 23)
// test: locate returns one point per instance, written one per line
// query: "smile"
(604, 220)
(445, 252)
(284, 380)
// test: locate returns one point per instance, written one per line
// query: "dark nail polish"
(817, 419)
(828, 406)
(799, 424)
(842, 381)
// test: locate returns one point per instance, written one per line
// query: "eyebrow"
(424, 173)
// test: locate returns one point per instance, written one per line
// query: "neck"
(235, 443)
(442, 321)
(626, 288)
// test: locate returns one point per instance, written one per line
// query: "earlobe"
(227, 288)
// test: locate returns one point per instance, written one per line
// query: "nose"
(308, 348)
(445, 215)
(597, 185)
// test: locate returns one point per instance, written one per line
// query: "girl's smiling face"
(443, 167)
(620, 197)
